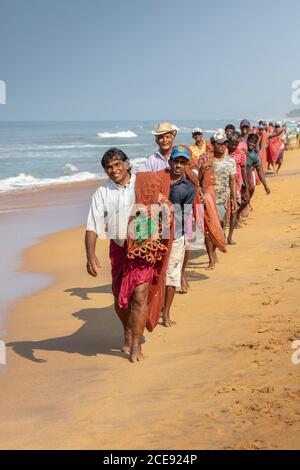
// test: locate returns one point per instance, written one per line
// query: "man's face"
(165, 141)
(178, 165)
(198, 137)
(117, 170)
(232, 145)
(277, 130)
(245, 130)
(229, 132)
(220, 149)
(251, 145)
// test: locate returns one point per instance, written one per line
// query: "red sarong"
(128, 273)
(137, 271)
(263, 144)
(212, 226)
(275, 148)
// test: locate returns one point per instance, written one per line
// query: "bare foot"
(127, 341)
(182, 290)
(184, 284)
(230, 241)
(211, 265)
(136, 354)
(167, 322)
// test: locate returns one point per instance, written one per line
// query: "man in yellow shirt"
(199, 148)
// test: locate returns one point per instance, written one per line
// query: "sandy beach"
(222, 378)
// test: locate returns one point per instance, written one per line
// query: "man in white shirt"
(111, 207)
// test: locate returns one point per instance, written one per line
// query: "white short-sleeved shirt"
(110, 210)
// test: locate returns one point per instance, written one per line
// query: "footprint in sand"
(294, 335)
(229, 389)
(263, 330)
(270, 301)
(268, 389)
(251, 346)
(292, 394)
(293, 279)
(248, 445)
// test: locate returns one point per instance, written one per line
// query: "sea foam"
(120, 135)
(23, 181)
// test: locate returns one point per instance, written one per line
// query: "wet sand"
(26, 216)
(222, 378)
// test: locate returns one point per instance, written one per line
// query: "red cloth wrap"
(137, 271)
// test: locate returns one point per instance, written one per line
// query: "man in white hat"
(199, 147)
(165, 134)
(225, 174)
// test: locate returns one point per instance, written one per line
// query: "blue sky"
(138, 59)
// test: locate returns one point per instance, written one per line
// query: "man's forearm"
(245, 179)
(233, 187)
(90, 243)
(262, 178)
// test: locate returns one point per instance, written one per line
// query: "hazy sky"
(148, 59)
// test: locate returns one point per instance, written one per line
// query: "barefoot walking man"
(182, 196)
(225, 174)
(111, 207)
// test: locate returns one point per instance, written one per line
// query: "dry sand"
(222, 378)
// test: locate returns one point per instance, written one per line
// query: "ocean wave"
(120, 134)
(61, 147)
(23, 181)
(184, 130)
(69, 168)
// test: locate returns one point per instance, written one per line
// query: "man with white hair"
(165, 134)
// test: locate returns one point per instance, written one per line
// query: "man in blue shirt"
(252, 163)
(182, 196)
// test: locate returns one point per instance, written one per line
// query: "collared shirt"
(111, 207)
(156, 162)
(198, 151)
(182, 195)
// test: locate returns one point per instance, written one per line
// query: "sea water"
(35, 154)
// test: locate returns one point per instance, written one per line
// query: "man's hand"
(247, 197)
(234, 206)
(168, 209)
(92, 265)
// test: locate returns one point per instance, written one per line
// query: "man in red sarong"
(263, 145)
(276, 147)
(138, 263)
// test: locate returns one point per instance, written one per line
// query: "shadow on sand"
(100, 331)
(83, 292)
